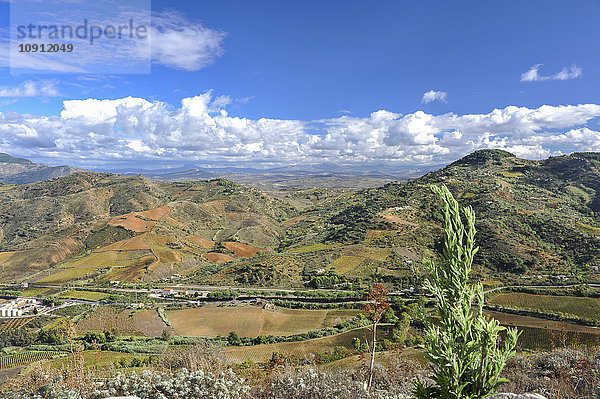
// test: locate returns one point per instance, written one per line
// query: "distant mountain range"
(20, 171)
(324, 175)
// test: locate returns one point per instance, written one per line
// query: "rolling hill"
(535, 220)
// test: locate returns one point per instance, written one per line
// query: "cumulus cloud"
(533, 75)
(201, 130)
(29, 88)
(433, 95)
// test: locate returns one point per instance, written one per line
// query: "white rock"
(516, 396)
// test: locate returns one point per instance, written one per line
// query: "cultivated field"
(203, 242)
(86, 295)
(109, 318)
(262, 353)
(217, 258)
(578, 306)
(544, 334)
(242, 250)
(251, 321)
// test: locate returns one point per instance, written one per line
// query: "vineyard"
(15, 323)
(23, 358)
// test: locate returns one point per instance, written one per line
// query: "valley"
(132, 267)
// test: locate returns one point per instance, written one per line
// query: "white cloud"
(135, 130)
(533, 75)
(433, 95)
(29, 88)
(180, 43)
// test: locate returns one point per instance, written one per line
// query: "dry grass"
(5, 255)
(347, 263)
(251, 321)
(131, 244)
(66, 275)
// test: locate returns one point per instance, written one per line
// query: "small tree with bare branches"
(374, 308)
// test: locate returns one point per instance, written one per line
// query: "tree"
(233, 338)
(463, 348)
(374, 309)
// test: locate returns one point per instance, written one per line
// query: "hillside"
(102, 226)
(20, 171)
(535, 219)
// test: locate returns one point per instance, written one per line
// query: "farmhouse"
(17, 307)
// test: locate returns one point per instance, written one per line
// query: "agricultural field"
(109, 318)
(251, 321)
(14, 323)
(203, 242)
(35, 291)
(262, 353)
(25, 357)
(150, 323)
(313, 248)
(218, 258)
(242, 250)
(84, 295)
(539, 334)
(579, 306)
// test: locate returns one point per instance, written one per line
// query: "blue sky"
(319, 70)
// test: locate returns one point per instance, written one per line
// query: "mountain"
(536, 221)
(324, 175)
(20, 171)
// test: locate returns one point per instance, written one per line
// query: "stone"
(516, 396)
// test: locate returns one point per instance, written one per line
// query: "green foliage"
(463, 350)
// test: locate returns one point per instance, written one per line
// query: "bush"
(183, 384)
(311, 383)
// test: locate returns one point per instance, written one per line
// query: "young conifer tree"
(462, 346)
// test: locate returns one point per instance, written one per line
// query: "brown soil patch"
(203, 242)
(218, 258)
(156, 213)
(132, 222)
(131, 244)
(242, 250)
(140, 222)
